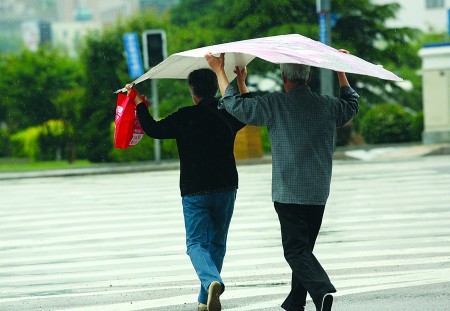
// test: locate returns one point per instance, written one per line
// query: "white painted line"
(246, 292)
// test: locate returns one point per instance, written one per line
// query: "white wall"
(413, 13)
(436, 93)
(70, 34)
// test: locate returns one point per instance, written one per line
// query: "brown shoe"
(214, 292)
(202, 307)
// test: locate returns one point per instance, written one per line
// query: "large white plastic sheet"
(292, 48)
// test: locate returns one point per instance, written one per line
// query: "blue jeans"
(207, 219)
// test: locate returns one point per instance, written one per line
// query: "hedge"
(143, 151)
(45, 142)
(5, 143)
(387, 123)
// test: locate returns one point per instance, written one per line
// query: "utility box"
(248, 143)
(436, 92)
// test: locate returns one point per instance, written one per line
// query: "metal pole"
(326, 75)
(157, 142)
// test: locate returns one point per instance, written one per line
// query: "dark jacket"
(205, 139)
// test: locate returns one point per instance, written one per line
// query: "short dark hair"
(203, 83)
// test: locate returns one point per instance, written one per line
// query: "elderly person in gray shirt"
(302, 130)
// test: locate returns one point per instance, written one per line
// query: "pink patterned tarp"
(292, 48)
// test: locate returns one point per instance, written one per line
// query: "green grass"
(21, 165)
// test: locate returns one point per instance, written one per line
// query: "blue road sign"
(133, 52)
(323, 27)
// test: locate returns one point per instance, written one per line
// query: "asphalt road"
(116, 241)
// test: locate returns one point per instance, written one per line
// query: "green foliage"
(387, 123)
(5, 144)
(44, 142)
(144, 150)
(169, 149)
(53, 139)
(104, 63)
(344, 134)
(100, 60)
(417, 126)
(427, 38)
(25, 144)
(363, 107)
(360, 28)
(70, 103)
(30, 82)
(191, 10)
(22, 165)
(47, 84)
(267, 148)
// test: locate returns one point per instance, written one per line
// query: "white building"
(69, 19)
(426, 15)
(70, 34)
(436, 93)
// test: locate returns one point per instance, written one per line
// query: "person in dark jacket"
(208, 176)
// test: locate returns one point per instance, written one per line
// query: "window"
(433, 4)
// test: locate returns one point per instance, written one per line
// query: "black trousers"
(300, 225)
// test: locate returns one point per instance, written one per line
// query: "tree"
(360, 28)
(101, 59)
(192, 10)
(105, 69)
(30, 83)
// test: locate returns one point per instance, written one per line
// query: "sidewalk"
(356, 153)
(390, 152)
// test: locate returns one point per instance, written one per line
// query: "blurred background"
(61, 61)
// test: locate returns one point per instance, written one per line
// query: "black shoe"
(327, 302)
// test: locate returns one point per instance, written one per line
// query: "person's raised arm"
(241, 75)
(341, 75)
(217, 65)
(347, 105)
(164, 128)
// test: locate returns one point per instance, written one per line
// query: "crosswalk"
(116, 242)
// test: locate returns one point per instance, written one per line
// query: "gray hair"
(295, 72)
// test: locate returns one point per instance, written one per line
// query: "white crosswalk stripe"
(116, 242)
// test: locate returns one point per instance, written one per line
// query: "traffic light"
(154, 45)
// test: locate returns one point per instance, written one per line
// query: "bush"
(26, 143)
(417, 127)
(53, 140)
(45, 142)
(143, 151)
(267, 148)
(169, 149)
(344, 134)
(386, 123)
(5, 143)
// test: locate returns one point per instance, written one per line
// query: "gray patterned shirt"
(302, 132)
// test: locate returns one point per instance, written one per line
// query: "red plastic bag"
(127, 131)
